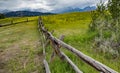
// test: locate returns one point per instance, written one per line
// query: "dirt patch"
(22, 57)
(6, 55)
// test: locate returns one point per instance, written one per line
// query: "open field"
(20, 49)
(21, 52)
(14, 20)
(75, 28)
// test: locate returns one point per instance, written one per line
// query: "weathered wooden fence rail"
(57, 44)
(47, 69)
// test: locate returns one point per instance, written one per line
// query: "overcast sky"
(45, 4)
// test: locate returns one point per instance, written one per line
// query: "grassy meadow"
(7, 21)
(20, 49)
(75, 28)
(21, 52)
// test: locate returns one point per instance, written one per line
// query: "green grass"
(16, 20)
(75, 28)
(20, 45)
(7, 20)
(20, 49)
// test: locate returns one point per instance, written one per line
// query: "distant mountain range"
(36, 12)
(24, 13)
(4, 11)
(70, 9)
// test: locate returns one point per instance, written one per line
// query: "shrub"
(106, 21)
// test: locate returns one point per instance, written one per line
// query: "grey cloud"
(9, 4)
(45, 4)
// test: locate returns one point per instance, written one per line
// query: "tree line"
(2, 16)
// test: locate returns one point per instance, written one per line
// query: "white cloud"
(45, 4)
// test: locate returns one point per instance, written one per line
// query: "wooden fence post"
(46, 66)
(12, 21)
(27, 19)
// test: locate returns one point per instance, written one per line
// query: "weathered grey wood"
(97, 65)
(61, 37)
(52, 56)
(42, 41)
(71, 63)
(27, 20)
(44, 51)
(11, 21)
(47, 69)
(52, 31)
(57, 51)
(62, 55)
(47, 43)
(44, 61)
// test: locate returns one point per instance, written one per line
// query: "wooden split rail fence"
(12, 22)
(58, 43)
